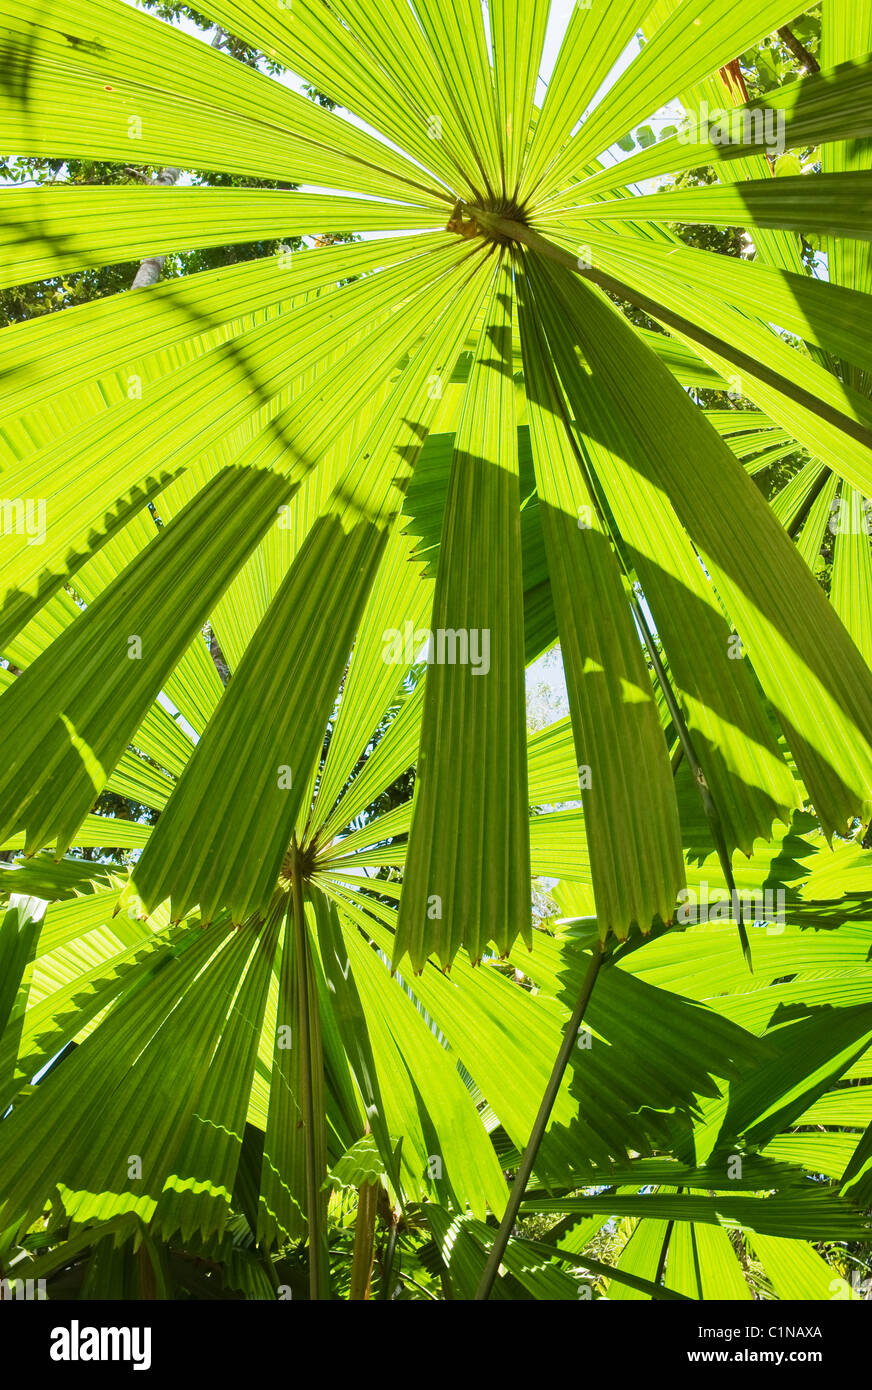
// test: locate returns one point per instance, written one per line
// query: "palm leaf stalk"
(364, 1237)
(525, 1169)
(392, 433)
(311, 1117)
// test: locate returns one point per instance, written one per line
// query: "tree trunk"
(151, 267)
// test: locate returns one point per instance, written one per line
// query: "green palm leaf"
(314, 453)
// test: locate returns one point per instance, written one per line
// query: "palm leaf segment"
(452, 426)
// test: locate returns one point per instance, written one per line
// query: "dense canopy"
(526, 405)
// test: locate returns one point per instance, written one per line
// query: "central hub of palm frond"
(298, 860)
(493, 219)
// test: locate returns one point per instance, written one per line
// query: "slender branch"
(313, 1192)
(217, 656)
(733, 76)
(664, 1250)
(519, 1186)
(799, 50)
